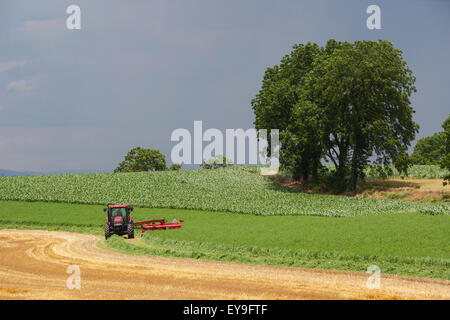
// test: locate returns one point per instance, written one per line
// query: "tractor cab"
(119, 213)
(122, 210)
(119, 221)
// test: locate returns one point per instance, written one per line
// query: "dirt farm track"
(33, 265)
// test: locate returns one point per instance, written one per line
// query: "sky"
(78, 100)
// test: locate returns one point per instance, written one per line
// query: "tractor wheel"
(107, 231)
(130, 230)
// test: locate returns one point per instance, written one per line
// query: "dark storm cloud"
(79, 99)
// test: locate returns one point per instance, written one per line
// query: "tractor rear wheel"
(107, 231)
(130, 230)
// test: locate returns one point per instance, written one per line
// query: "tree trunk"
(297, 172)
(342, 163)
(355, 162)
(314, 169)
(354, 173)
(305, 172)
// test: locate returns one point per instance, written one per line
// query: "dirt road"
(33, 265)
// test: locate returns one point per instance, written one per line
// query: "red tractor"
(119, 221)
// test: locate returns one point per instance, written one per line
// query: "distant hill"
(11, 173)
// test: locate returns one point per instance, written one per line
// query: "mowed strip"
(33, 265)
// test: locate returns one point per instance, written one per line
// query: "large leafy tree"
(139, 159)
(348, 103)
(364, 90)
(429, 150)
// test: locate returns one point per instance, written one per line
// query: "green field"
(237, 189)
(407, 244)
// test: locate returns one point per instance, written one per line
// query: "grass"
(406, 243)
(409, 266)
(238, 189)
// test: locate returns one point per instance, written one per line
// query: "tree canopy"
(139, 159)
(429, 150)
(345, 103)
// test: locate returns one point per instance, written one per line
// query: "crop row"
(232, 189)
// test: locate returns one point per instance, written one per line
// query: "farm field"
(33, 265)
(236, 221)
(236, 189)
(412, 244)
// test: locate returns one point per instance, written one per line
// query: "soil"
(426, 190)
(34, 265)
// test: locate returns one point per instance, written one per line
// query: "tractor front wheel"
(130, 230)
(107, 231)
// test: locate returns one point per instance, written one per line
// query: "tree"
(361, 92)
(445, 159)
(139, 159)
(429, 150)
(218, 161)
(363, 89)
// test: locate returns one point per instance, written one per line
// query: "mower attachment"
(159, 224)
